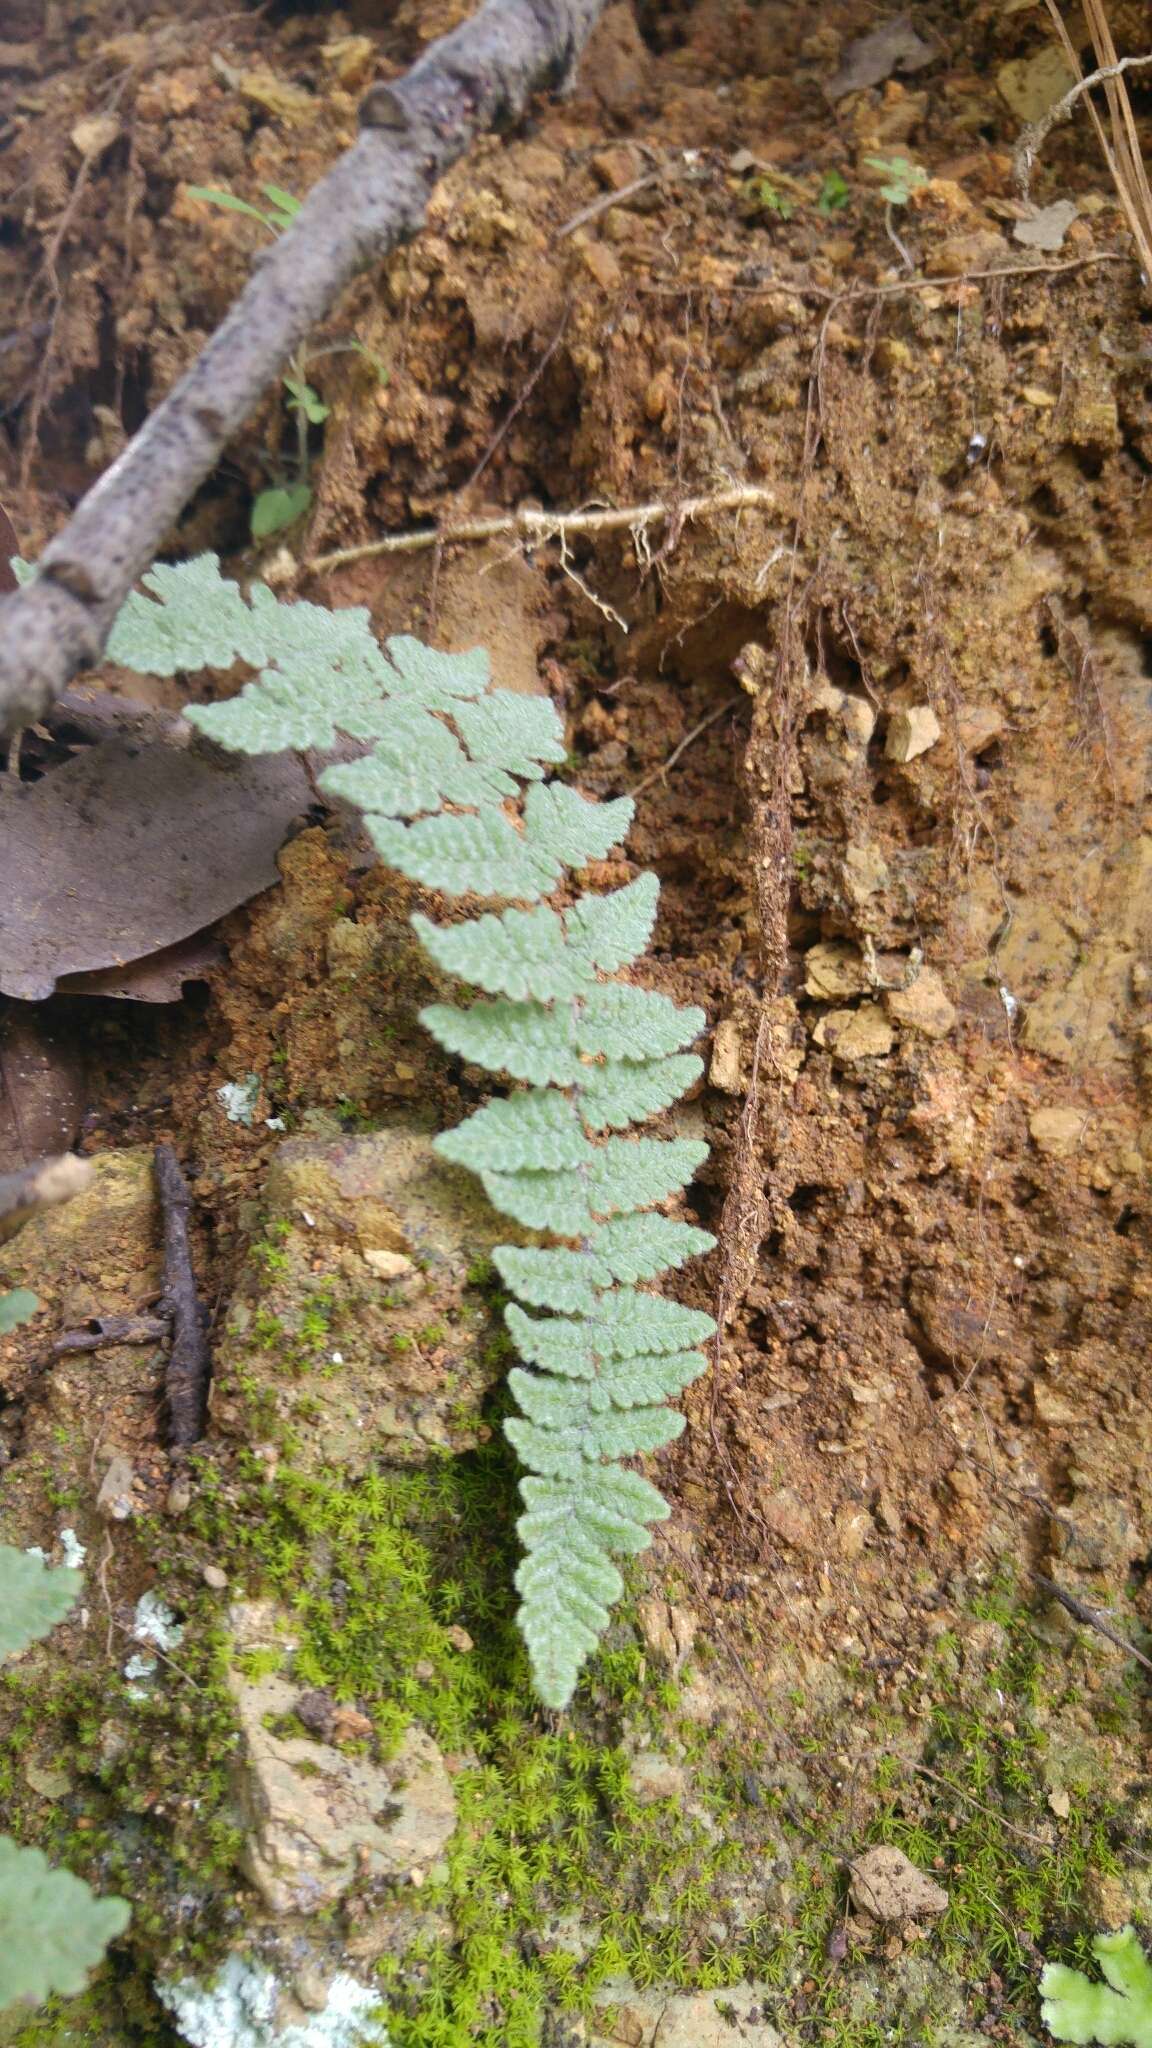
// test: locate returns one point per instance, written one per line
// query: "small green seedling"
(833, 194)
(765, 194)
(1120, 2011)
(282, 211)
(282, 503)
(903, 178)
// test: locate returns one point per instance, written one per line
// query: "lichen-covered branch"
(375, 196)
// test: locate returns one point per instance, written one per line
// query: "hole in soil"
(1089, 461)
(1126, 1221)
(1046, 504)
(802, 1199)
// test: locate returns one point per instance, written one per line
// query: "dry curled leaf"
(128, 849)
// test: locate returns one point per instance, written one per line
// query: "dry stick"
(1092, 1617)
(1036, 134)
(729, 704)
(102, 1330)
(532, 524)
(186, 1374)
(375, 196)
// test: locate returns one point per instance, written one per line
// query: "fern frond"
(449, 761)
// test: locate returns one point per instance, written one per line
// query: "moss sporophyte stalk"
(453, 789)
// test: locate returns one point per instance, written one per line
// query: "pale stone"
(834, 970)
(861, 1034)
(317, 1819)
(96, 133)
(865, 871)
(654, 1777)
(1051, 1408)
(724, 1072)
(911, 732)
(669, 1631)
(1059, 1131)
(1031, 85)
(923, 1006)
(887, 1886)
(116, 1499)
(387, 1265)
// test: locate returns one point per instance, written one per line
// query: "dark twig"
(102, 1330)
(1092, 1617)
(186, 1375)
(376, 195)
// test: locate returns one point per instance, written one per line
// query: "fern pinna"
(448, 760)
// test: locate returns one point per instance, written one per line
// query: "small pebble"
(215, 1578)
(179, 1497)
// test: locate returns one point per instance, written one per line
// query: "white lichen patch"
(239, 2008)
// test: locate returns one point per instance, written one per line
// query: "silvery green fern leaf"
(560, 1279)
(478, 854)
(33, 1598)
(570, 829)
(618, 1022)
(639, 1247)
(611, 932)
(440, 681)
(517, 953)
(517, 734)
(55, 1930)
(623, 1092)
(540, 1128)
(526, 1040)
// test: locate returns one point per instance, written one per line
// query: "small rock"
(852, 1035)
(1060, 1803)
(669, 1632)
(654, 1777)
(724, 1072)
(983, 250)
(787, 1517)
(1031, 85)
(179, 1497)
(352, 60)
(459, 1638)
(95, 134)
(978, 725)
(49, 1781)
(853, 1527)
(603, 264)
(865, 871)
(887, 1886)
(833, 970)
(115, 1500)
(1052, 1409)
(215, 1578)
(911, 731)
(923, 1006)
(388, 1265)
(1059, 1131)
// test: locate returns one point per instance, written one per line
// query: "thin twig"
(480, 76)
(1092, 1617)
(609, 199)
(532, 524)
(730, 704)
(187, 1371)
(1036, 134)
(923, 1771)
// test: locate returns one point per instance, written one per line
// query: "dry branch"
(375, 196)
(529, 523)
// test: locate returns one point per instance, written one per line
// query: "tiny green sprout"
(765, 194)
(281, 212)
(903, 178)
(1120, 2011)
(833, 194)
